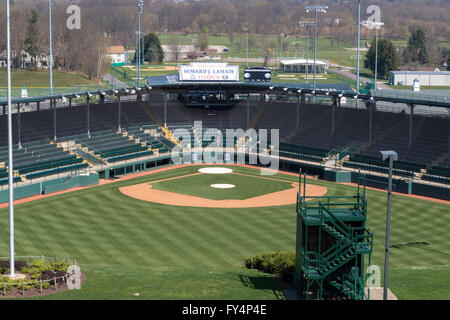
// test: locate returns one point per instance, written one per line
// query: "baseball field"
(128, 243)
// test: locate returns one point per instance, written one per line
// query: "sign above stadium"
(209, 72)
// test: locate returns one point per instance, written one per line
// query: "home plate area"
(216, 187)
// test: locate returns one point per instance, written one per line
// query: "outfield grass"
(127, 246)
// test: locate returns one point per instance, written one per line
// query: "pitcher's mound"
(215, 170)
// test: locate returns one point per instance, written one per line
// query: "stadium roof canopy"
(333, 90)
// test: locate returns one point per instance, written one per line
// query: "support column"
(411, 108)
(18, 126)
(38, 106)
(248, 110)
(303, 99)
(4, 109)
(448, 151)
(88, 101)
(120, 114)
(52, 102)
(165, 110)
(70, 102)
(333, 109)
(372, 106)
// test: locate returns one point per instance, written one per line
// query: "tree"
(153, 51)
(32, 40)
(388, 59)
(417, 50)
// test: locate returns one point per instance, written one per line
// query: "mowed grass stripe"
(140, 225)
(89, 231)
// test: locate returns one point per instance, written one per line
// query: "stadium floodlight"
(377, 26)
(138, 49)
(392, 156)
(355, 97)
(285, 89)
(299, 91)
(271, 88)
(340, 95)
(148, 88)
(50, 57)
(316, 9)
(89, 95)
(307, 25)
(77, 96)
(116, 91)
(10, 145)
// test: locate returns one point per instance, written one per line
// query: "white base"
(223, 186)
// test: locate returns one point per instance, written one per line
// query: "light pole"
(392, 156)
(10, 146)
(50, 58)
(377, 26)
(246, 30)
(140, 10)
(359, 44)
(307, 24)
(316, 9)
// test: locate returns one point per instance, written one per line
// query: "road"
(114, 81)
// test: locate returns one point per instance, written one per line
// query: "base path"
(145, 192)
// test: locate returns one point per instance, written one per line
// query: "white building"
(299, 66)
(426, 78)
(116, 55)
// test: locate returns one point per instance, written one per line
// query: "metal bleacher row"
(38, 159)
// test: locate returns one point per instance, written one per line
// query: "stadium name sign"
(207, 71)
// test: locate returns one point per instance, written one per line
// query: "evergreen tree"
(153, 51)
(388, 59)
(32, 39)
(417, 50)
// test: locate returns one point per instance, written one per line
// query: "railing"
(309, 202)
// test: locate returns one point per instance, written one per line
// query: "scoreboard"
(257, 74)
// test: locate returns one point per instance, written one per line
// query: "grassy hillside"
(127, 246)
(38, 82)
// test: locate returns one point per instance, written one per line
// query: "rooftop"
(447, 73)
(115, 50)
(302, 61)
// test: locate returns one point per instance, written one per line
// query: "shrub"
(280, 263)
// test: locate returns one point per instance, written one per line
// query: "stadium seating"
(390, 131)
(437, 179)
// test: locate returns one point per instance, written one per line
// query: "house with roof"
(117, 56)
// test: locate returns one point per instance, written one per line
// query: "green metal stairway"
(332, 254)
